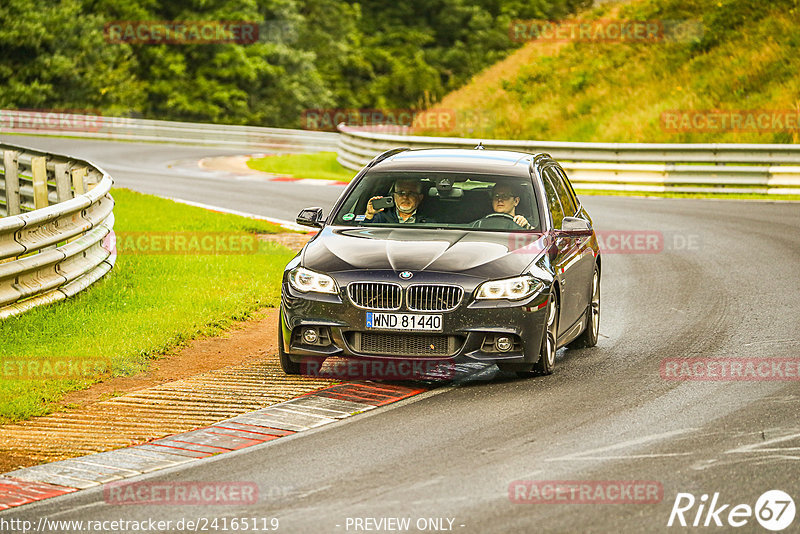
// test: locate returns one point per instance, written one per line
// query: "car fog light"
(503, 344)
(310, 336)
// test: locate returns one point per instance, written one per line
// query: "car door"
(568, 255)
(582, 267)
(563, 252)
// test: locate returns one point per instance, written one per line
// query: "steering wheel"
(497, 221)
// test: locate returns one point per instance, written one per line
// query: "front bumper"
(469, 328)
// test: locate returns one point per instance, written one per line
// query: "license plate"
(404, 321)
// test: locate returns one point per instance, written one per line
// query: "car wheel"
(289, 367)
(588, 337)
(547, 356)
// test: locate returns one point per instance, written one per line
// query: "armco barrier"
(56, 212)
(641, 167)
(191, 133)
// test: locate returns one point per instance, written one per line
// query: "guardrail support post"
(77, 180)
(63, 190)
(12, 182)
(39, 168)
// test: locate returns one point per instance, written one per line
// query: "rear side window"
(567, 203)
(553, 202)
(568, 187)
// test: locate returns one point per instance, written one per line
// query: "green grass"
(747, 58)
(146, 306)
(321, 165)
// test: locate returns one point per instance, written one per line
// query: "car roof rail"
(537, 158)
(387, 154)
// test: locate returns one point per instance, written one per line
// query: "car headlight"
(516, 288)
(306, 280)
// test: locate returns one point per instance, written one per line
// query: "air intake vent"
(402, 344)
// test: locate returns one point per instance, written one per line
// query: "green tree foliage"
(310, 54)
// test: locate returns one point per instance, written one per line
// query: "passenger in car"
(505, 200)
(408, 196)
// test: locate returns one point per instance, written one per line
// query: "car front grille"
(375, 295)
(403, 344)
(433, 297)
(422, 298)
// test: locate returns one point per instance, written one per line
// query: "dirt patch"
(257, 335)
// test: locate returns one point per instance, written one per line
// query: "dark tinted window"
(568, 187)
(567, 203)
(553, 202)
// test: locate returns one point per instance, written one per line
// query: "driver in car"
(407, 194)
(505, 200)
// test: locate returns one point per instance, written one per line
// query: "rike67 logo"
(774, 510)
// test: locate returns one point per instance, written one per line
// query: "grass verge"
(147, 305)
(322, 165)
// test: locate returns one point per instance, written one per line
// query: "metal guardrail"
(640, 167)
(56, 212)
(122, 128)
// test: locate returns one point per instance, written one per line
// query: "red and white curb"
(315, 409)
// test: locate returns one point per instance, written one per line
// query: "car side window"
(568, 187)
(567, 203)
(553, 203)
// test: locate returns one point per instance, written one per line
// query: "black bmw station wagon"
(446, 255)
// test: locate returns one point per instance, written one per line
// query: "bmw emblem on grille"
(405, 275)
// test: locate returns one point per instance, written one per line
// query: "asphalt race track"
(171, 171)
(722, 281)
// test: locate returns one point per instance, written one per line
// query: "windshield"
(441, 200)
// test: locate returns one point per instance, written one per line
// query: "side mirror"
(310, 217)
(575, 224)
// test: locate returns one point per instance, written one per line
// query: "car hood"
(469, 252)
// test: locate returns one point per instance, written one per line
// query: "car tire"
(289, 367)
(588, 337)
(547, 354)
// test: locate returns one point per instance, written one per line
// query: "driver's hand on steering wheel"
(522, 221)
